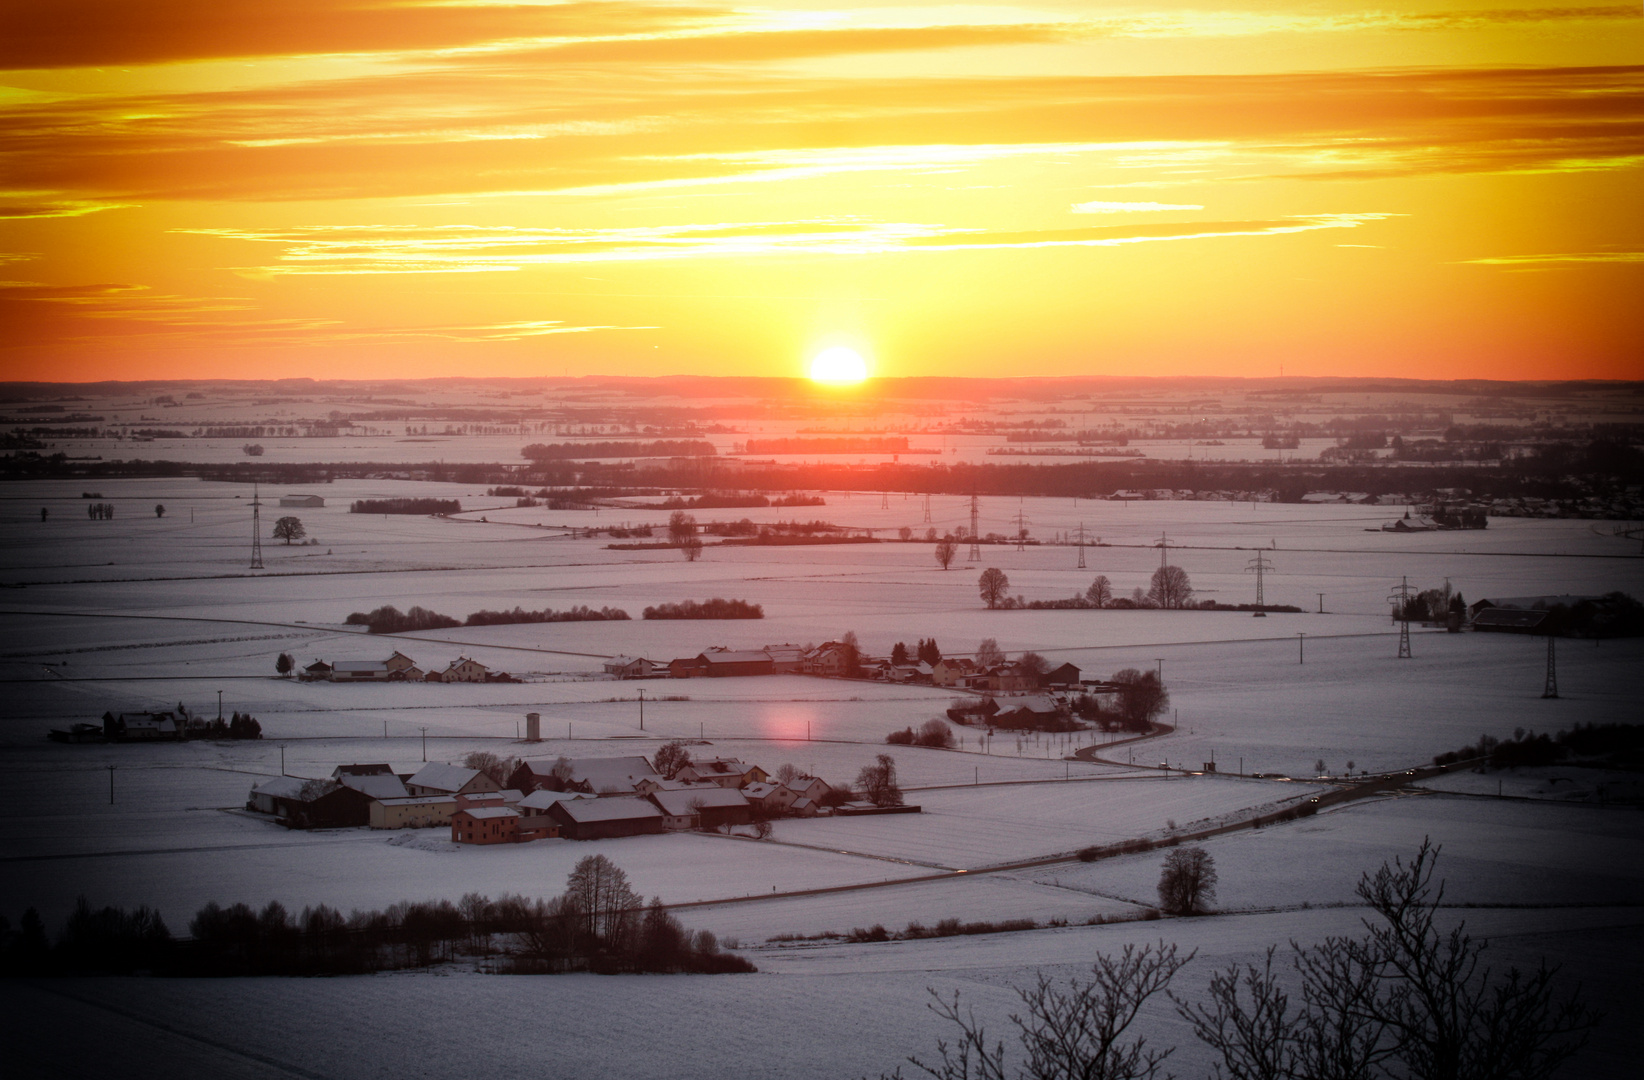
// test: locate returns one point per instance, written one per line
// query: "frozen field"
(144, 612)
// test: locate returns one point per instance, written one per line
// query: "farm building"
(264, 796)
(375, 768)
(721, 663)
(359, 671)
(439, 778)
(690, 667)
(462, 670)
(1503, 620)
(142, 727)
(601, 819)
(319, 669)
(302, 500)
(630, 667)
(770, 798)
(786, 659)
(723, 772)
(485, 825)
(705, 808)
(413, 812)
(604, 776)
(376, 785)
(311, 804)
(1064, 675)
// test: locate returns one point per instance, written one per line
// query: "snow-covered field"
(145, 612)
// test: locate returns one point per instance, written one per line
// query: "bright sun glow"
(838, 365)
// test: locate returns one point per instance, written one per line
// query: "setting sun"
(838, 365)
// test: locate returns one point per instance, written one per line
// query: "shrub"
(716, 608)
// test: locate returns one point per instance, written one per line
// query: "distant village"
(570, 798)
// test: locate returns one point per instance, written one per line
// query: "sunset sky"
(270, 188)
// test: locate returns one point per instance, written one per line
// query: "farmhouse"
(462, 670)
(1066, 675)
(439, 778)
(375, 785)
(601, 819)
(705, 808)
(485, 825)
(319, 669)
(723, 772)
(604, 776)
(690, 667)
(630, 667)
(771, 799)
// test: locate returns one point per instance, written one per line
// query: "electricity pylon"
(1164, 550)
(975, 522)
(1550, 690)
(1259, 566)
(1402, 599)
(927, 508)
(256, 529)
(1021, 531)
(1081, 545)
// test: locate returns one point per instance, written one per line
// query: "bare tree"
(602, 898)
(988, 653)
(1033, 663)
(1187, 885)
(289, 529)
(1076, 1031)
(681, 525)
(946, 552)
(1404, 1000)
(994, 586)
(1100, 592)
(691, 548)
(1142, 697)
(1171, 587)
(670, 758)
(878, 782)
(786, 773)
(497, 768)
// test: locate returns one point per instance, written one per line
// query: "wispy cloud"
(1130, 207)
(1567, 257)
(330, 250)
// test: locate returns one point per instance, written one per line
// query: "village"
(595, 798)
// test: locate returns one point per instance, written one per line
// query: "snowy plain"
(145, 612)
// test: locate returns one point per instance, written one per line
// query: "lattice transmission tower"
(1164, 550)
(1401, 598)
(1550, 690)
(975, 524)
(256, 530)
(1021, 530)
(1081, 545)
(927, 508)
(1259, 566)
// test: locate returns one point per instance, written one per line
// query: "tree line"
(598, 924)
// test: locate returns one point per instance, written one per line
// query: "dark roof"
(1509, 618)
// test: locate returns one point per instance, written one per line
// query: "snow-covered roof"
(281, 787)
(542, 800)
(759, 790)
(1037, 703)
(419, 800)
(606, 774)
(621, 808)
(739, 657)
(685, 803)
(442, 776)
(360, 665)
(376, 785)
(490, 812)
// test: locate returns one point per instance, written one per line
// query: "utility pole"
(282, 759)
(975, 522)
(1550, 690)
(424, 745)
(1321, 603)
(219, 704)
(1159, 660)
(1301, 648)
(111, 769)
(642, 708)
(256, 529)
(1402, 599)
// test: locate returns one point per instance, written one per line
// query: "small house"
(464, 670)
(302, 500)
(316, 671)
(1064, 675)
(629, 667)
(485, 825)
(770, 799)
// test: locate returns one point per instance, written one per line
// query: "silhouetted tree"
(988, 653)
(1187, 884)
(670, 758)
(289, 529)
(878, 782)
(946, 552)
(1171, 587)
(1100, 592)
(994, 586)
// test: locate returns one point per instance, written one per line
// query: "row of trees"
(1170, 587)
(598, 924)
